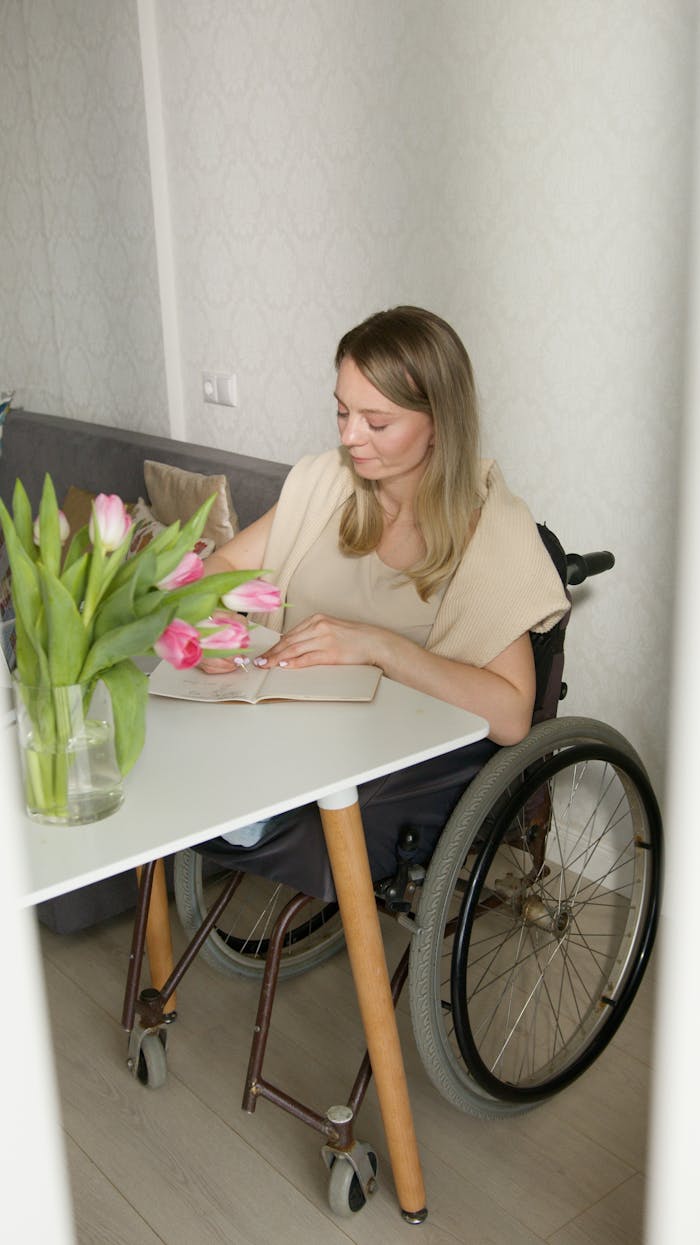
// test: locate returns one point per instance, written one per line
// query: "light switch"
(220, 388)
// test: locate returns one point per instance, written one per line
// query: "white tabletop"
(206, 768)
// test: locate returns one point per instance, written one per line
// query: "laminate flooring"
(184, 1165)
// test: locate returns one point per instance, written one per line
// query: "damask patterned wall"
(80, 311)
(28, 353)
(520, 166)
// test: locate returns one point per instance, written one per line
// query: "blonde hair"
(417, 361)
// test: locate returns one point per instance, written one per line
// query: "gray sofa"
(110, 460)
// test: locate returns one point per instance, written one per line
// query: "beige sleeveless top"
(360, 589)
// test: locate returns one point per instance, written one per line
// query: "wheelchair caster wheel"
(345, 1193)
(152, 1068)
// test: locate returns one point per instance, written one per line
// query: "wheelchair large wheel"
(537, 918)
(238, 944)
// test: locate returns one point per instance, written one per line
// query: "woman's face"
(384, 441)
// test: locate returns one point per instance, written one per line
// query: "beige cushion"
(176, 494)
(146, 527)
(77, 507)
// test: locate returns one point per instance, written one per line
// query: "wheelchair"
(530, 927)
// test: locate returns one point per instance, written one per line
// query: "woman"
(401, 550)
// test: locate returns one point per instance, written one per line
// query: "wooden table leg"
(347, 850)
(159, 945)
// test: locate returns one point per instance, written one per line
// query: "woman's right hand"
(218, 665)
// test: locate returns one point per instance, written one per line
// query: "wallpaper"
(28, 353)
(82, 331)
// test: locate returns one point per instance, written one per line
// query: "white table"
(207, 768)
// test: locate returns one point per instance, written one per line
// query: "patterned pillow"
(146, 526)
(77, 507)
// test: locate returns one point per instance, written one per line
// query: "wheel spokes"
(536, 987)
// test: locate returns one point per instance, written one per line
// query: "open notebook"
(253, 685)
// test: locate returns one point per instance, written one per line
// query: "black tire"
(238, 944)
(524, 966)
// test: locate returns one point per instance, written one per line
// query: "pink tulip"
(254, 595)
(179, 644)
(232, 632)
(63, 528)
(188, 571)
(111, 519)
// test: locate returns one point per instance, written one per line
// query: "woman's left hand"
(324, 641)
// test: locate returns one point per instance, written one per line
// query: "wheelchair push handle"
(580, 565)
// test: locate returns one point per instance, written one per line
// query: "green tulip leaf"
(149, 602)
(195, 607)
(218, 584)
(123, 601)
(68, 638)
(49, 531)
(128, 688)
(26, 593)
(170, 556)
(117, 608)
(24, 523)
(73, 578)
(129, 641)
(114, 564)
(96, 570)
(169, 559)
(78, 546)
(198, 600)
(32, 667)
(195, 525)
(148, 555)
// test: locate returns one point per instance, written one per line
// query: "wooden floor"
(184, 1165)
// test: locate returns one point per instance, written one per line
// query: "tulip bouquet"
(82, 618)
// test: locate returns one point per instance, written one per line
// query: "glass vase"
(67, 752)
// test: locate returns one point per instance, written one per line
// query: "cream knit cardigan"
(505, 585)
